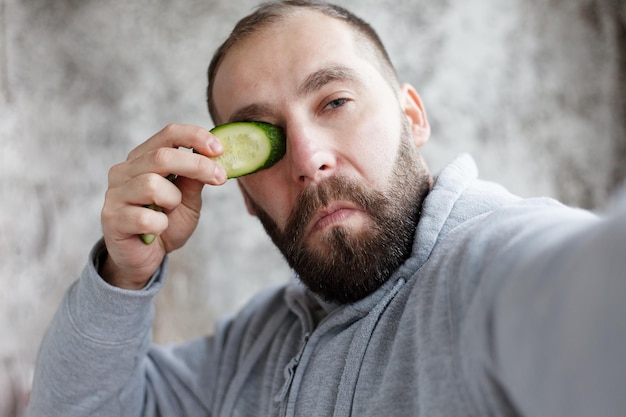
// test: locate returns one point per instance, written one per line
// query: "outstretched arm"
(553, 319)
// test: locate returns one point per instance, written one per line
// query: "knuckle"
(150, 182)
(148, 187)
(132, 155)
(144, 220)
(106, 215)
(112, 220)
(114, 174)
(198, 132)
(111, 203)
(135, 153)
(161, 156)
(169, 128)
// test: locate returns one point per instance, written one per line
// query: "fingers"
(147, 189)
(166, 161)
(168, 152)
(125, 205)
(131, 221)
(141, 181)
(180, 135)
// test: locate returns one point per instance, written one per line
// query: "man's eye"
(336, 103)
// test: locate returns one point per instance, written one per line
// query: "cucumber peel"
(248, 148)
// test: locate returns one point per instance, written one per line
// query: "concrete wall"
(532, 88)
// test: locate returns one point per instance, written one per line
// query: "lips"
(333, 214)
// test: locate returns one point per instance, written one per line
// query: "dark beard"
(352, 265)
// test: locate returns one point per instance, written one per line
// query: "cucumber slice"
(249, 147)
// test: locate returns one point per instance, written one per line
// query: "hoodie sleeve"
(97, 358)
(548, 325)
(90, 362)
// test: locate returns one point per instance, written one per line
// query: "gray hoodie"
(506, 307)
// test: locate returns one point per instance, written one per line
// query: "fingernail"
(216, 146)
(220, 174)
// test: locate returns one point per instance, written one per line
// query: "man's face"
(344, 173)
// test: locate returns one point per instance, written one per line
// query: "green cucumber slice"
(249, 147)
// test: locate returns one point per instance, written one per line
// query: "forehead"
(272, 62)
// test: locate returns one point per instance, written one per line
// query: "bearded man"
(411, 296)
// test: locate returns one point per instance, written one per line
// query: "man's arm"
(93, 358)
(90, 360)
(553, 318)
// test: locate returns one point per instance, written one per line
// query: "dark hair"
(270, 13)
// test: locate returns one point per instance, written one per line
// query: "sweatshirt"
(506, 307)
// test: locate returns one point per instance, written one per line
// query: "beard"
(344, 266)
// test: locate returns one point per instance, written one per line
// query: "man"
(412, 297)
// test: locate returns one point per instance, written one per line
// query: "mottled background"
(534, 89)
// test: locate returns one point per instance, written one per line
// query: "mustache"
(317, 196)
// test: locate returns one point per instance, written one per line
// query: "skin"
(341, 118)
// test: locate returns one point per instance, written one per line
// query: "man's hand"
(140, 181)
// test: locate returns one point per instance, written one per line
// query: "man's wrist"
(110, 273)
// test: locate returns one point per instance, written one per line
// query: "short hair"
(272, 12)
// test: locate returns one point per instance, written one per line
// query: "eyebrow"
(312, 83)
(315, 81)
(250, 113)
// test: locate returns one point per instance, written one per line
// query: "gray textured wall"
(532, 88)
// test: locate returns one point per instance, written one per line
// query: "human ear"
(246, 199)
(414, 110)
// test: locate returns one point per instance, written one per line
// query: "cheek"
(377, 147)
(268, 192)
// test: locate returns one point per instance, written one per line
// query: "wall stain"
(590, 14)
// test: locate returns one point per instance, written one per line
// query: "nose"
(310, 154)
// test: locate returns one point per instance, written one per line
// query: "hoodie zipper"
(356, 353)
(289, 373)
